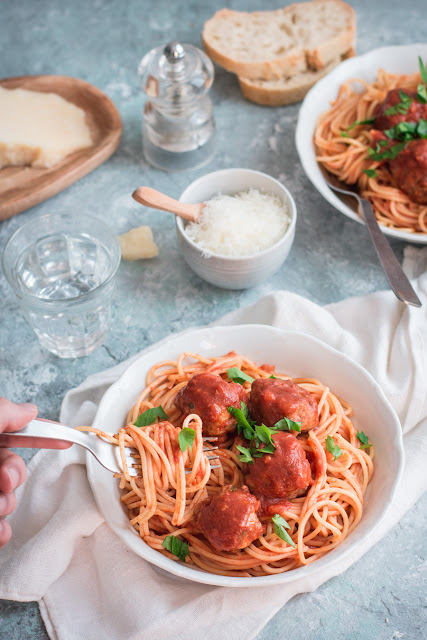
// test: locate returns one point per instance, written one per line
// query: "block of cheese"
(138, 244)
(39, 129)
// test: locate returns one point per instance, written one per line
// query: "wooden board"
(24, 187)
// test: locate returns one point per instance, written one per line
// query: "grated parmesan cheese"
(240, 225)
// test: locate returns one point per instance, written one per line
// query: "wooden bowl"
(24, 187)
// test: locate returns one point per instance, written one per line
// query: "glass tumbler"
(62, 268)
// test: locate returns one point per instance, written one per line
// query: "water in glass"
(64, 268)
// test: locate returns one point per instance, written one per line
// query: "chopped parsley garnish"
(355, 124)
(345, 134)
(422, 128)
(371, 173)
(186, 438)
(258, 452)
(421, 93)
(176, 546)
(246, 454)
(423, 70)
(264, 434)
(408, 130)
(236, 375)
(363, 439)
(150, 416)
(379, 153)
(280, 526)
(259, 435)
(402, 131)
(333, 448)
(243, 424)
(402, 106)
(287, 425)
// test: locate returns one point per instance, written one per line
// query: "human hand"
(12, 468)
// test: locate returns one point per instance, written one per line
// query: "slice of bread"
(270, 45)
(276, 93)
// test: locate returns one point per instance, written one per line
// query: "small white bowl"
(246, 271)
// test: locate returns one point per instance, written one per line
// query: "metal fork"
(41, 433)
(395, 275)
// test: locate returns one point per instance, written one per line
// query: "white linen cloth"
(89, 585)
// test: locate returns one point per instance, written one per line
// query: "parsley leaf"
(150, 416)
(363, 439)
(176, 546)
(186, 438)
(423, 70)
(247, 456)
(236, 375)
(377, 154)
(402, 106)
(355, 124)
(422, 128)
(345, 134)
(264, 434)
(397, 148)
(259, 434)
(422, 93)
(402, 131)
(333, 448)
(371, 173)
(287, 425)
(269, 448)
(243, 424)
(406, 131)
(279, 529)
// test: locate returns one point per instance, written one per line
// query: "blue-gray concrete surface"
(384, 595)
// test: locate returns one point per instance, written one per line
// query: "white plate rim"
(130, 538)
(393, 59)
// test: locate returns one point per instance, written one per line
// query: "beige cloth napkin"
(89, 585)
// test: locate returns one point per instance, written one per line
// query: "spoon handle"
(157, 200)
(396, 277)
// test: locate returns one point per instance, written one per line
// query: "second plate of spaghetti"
(337, 126)
(309, 456)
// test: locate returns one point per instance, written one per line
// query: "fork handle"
(396, 277)
(43, 434)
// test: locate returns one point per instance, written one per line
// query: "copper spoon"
(156, 200)
(395, 275)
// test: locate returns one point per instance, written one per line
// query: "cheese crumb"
(240, 225)
(138, 244)
(39, 129)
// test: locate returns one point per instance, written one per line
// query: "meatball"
(286, 473)
(409, 170)
(208, 395)
(272, 399)
(229, 520)
(415, 111)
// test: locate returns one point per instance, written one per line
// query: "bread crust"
(294, 60)
(277, 93)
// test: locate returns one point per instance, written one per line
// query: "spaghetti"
(163, 501)
(343, 149)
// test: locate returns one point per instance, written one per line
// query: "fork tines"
(130, 453)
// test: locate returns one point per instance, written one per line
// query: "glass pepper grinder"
(178, 128)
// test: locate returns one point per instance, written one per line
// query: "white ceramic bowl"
(398, 59)
(225, 271)
(299, 355)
